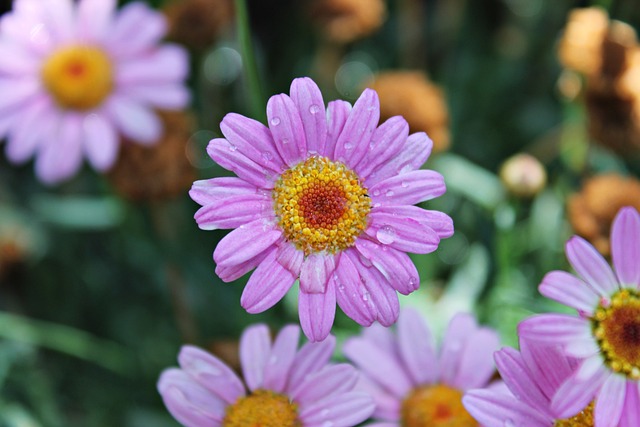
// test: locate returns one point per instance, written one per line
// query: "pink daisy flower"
(287, 387)
(75, 75)
(326, 198)
(412, 383)
(606, 333)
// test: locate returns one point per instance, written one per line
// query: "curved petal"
(134, 120)
(396, 266)
(610, 401)
(337, 114)
(390, 227)
(211, 373)
(245, 242)
(497, 409)
(93, 18)
(286, 127)
(476, 362)
(290, 258)
(166, 96)
(379, 293)
(317, 312)
(548, 366)
(17, 92)
(575, 394)
(316, 270)
(234, 212)
(58, 16)
(283, 353)
(591, 266)
(135, 29)
(630, 414)
(31, 125)
(311, 358)
(557, 329)
(266, 286)
(217, 190)
(255, 351)
(320, 384)
(408, 189)
(354, 140)
(233, 272)
(386, 142)
(63, 157)
(340, 410)
(625, 246)
(416, 347)
(570, 291)
(308, 99)
(351, 292)
(227, 155)
(168, 64)
(516, 375)
(460, 328)
(101, 142)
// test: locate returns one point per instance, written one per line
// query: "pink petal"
(630, 414)
(101, 142)
(557, 329)
(381, 337)
(396, 266)
(245, 242)
(382, 296)
(515, 373)
(334, 379)
(266, 286)
(570, 291)
(386, 142)
(286, 127)
(351, 294)
(61, 158)
(495, 409)
(337, 115)
(354, 140)
(22, 64)
(625, 246)
(476, 362)
(217, 190)
(136, 28)
(379, 366)
(59, 19)
(32, 125)
(166, 65)
(589, 264)
(171, 96)
(405, 234)
(460, 328)
(188, 402)
(253, 139)
(317, 312)
(610, 401)
(94, 18)
(134, 120)
(311, 358)
(211, 373)
(255, 351)
(290, 258)
(16, 92)
(575, 394)
(438, 221)
(387, 406)
(233, 272)
(409, 188)
(416, 347)
(317, 268)
(340, 410)
(227, 155)
(234, 212)
(308, 99)
(282, 356)
(548, 366)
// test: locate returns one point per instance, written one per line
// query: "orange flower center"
(583, 419)
(435, 405)
(262, 408)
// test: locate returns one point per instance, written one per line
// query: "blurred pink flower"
(75, 75)
(414, 384)
(326, 198)
(287, 387)
(606, 333)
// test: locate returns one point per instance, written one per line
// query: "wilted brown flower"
(410, 94)
(592, 210)
(523, 175)
(581, 44)
(197, 23)
(344, 21)
(159, 171)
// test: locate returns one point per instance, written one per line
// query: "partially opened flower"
(286, 387)
(74, 76)
(605, 335)
(532, 377)
(324, 198)
(414, 384)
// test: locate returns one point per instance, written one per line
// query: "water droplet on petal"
(404, 184)
(413, 281)
(371, 108)
(232, 147)
(314, 109)
(376, 205)
(386, 235)
(267, 155)
(348, 146)
(376, 192)
(285, 141)
(275, 121)
(389, 193)
(365, 296)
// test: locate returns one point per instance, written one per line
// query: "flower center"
(78, 77)
(321, 205)
(616, 328)
(435, 406)
(583, 419)
(262, 408)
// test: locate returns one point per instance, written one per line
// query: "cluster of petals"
(199, 393)
(393, 365)
(363, 278)
(615, 394)
(145, 75)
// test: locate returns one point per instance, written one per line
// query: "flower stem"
(249, 60)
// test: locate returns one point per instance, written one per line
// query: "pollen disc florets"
(617, 331)
(583, 419)
(435, 405)
(321, 205)
(78, 77)
(262, 408)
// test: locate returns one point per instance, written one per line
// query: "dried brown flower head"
(523, 175)
(197, 23)
(410, 94)
(592, 210)
(344, 21)
(159, 171)
(581, 43)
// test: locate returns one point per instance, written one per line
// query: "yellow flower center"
(435, 406)
(321, 205)
(78, 77)
(262, 408)
(583, 419)
(616, 328)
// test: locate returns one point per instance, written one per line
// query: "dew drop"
(267, 155)
(341, 287)
(413, 281)
(371, 108)
(348, 146)
(386, 235)
(314, 109)
(285, 141)
(232, 147)
(275, 121)
(376, 192)
(404, 184)
(389, 193)
(376, 205)
(365, 296)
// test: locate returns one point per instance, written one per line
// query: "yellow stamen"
(583, 419)
(435, 405)
(78, 77)
(321, 205)
(616, 328)
(262, 408)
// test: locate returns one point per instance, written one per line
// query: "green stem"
(249, 60)
(605, 4)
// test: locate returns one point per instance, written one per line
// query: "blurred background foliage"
(103, 278)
